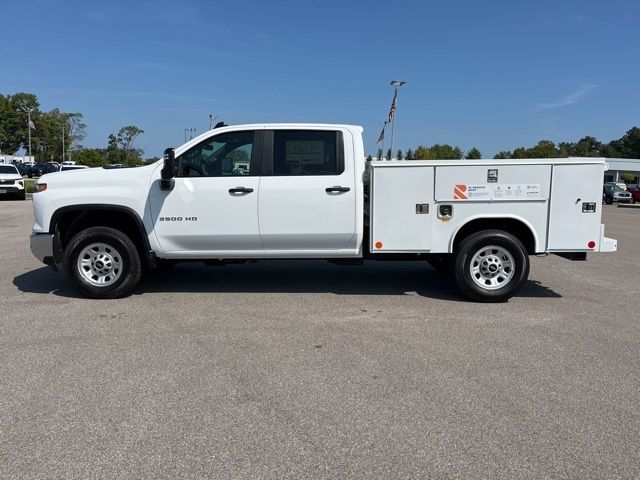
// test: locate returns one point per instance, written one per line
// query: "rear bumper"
(42, 247)
(607, 244)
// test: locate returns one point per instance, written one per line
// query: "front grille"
(7, 182)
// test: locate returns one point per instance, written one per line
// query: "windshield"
(8, 169)
(71, 167)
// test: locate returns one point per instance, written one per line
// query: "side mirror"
(168, 171)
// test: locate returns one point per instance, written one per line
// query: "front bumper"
(10, 190)
(43, 248)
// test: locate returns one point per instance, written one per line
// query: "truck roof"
(265, 126)
(288, 125)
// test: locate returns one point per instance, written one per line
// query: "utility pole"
(63, 143)
(394, 107)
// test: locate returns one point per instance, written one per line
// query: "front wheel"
(490, 266)
(102, 262)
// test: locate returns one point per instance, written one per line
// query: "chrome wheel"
(100, 264)
(492, 267)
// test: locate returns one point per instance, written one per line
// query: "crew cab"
(304, 191)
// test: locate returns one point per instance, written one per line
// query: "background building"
(620, 166)
(15, 158)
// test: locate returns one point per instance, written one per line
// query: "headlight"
(41, 187)
(21, 183)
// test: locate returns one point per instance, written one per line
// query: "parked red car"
(635, 193)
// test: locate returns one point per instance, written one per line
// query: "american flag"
(392, 110)
(381, 137)
(32, 126)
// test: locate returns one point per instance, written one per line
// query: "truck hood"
(96, 176)
(120, 186)
(10, 176)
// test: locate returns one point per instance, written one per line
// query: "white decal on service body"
(505, 191)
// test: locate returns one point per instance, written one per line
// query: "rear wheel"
(608, 200)
(490, 266)
(103, 263)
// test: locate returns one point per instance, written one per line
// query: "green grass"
(30, 185)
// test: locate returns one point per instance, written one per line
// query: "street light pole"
(395, 84)
(29, 129)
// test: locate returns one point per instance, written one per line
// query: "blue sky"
(494, 74)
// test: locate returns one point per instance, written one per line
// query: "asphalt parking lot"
(309, 370)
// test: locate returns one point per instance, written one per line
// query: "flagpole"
(393, 121)
(395, 84)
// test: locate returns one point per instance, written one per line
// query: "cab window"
(306, 152)
(225, 155)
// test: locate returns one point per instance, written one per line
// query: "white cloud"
(567, 99)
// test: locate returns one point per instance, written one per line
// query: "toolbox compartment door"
(571, 229)
(402, 209)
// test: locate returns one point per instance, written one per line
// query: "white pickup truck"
(304, 191)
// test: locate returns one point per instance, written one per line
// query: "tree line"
(627, 146)
(55, 131)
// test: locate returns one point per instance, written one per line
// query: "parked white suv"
(11, 182)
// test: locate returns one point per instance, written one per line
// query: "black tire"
(130, 262)
(608, 200)
(464, 256)
(632, 201)
(440, 262)
(22, 196)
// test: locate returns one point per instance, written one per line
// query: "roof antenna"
(220, 124)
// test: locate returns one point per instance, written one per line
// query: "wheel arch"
(517, 226)
(67, 221)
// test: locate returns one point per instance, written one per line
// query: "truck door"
(307, 203)
(213, 206)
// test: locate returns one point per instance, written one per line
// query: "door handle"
(336, 189)
(240, 190)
